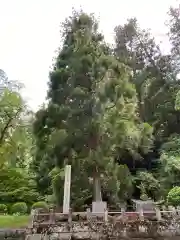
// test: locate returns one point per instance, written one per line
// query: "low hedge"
(19, 207)
(3, 208)
(40, 205)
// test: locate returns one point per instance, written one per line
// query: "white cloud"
(29, 33)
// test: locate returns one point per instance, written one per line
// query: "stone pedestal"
(146, 206)
(98, 208)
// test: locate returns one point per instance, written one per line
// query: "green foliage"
(3, 208)
(169, 171)
(148, 184)
(16, 186)
(20, 194)
(19, 207)
(173, 197)
(171, 146)
(153, 76)
(174, 30)
(177, 101)
(50, 200)
(11, 179)
(39, 205)
(15, 147)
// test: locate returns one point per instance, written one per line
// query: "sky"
(30, 33)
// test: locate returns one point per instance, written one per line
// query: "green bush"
(23, 194)
(3, 208)
(42, 205)
(16, 186)
(173, 197)
(19, 207)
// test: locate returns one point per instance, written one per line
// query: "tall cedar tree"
(88, 90)
(68, 125)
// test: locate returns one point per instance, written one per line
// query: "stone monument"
(67, 189)
(98, 206)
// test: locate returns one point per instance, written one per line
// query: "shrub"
(42, 205)
(173, 197)
(3, 208)
(19, 195)
(19, 207)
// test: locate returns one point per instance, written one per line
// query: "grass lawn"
(9, 221)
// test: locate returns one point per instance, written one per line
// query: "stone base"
(98, 208)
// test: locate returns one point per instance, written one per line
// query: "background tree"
(174, 34)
